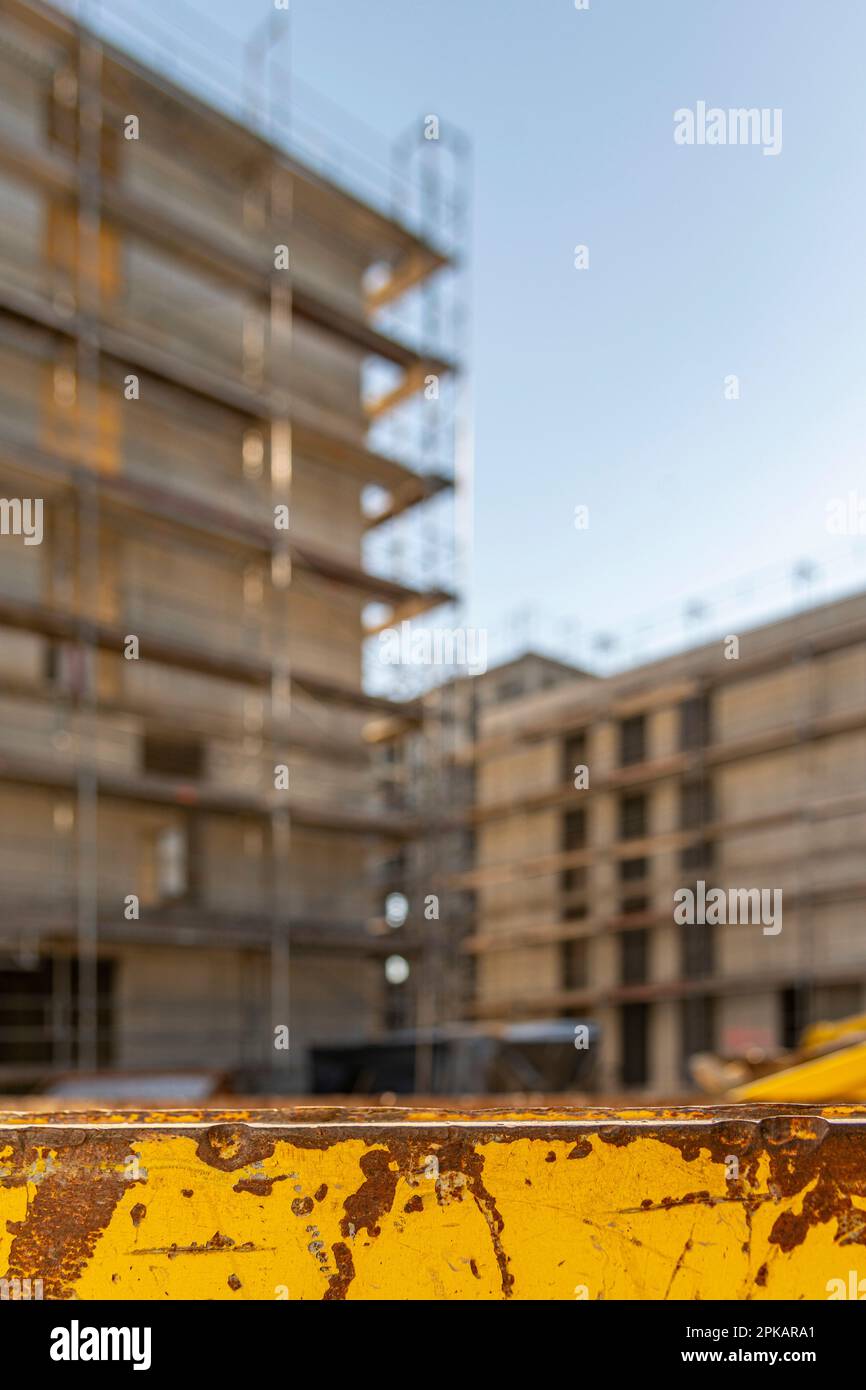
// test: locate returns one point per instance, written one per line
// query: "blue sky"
(605, 387)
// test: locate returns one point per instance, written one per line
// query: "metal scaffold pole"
(88, 270)
(434, 158)
(279, 349)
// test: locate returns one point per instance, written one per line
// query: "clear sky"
(606, 387)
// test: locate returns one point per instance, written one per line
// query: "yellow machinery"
(830, 1065)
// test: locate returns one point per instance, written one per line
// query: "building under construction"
(739, 764)
(190, 319)
(432, 873)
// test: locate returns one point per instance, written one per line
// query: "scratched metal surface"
(339, 1203)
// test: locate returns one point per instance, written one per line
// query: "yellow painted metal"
(830, 1030)
(715, 1202)
(817, 1079)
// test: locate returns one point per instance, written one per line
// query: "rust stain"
(806, 1155)
(259, 1187)
(458, 1164)
(138, 1213)
(338, 1284)
(217, 1244)
(851, 1223)
(365, 1208)
(302, 1206)
(72, 1203)
(321, 1192)
(704, 1199)
(229, 1147)
(415, 1203)
(234, 1282)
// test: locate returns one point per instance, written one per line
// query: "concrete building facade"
(738, 765)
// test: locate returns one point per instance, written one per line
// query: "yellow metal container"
(725, 1202)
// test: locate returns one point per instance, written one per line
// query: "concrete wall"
(790, 819)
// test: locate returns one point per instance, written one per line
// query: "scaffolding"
(433, 159)
(140, 286)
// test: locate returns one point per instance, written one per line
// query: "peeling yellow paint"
(718, 1202)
